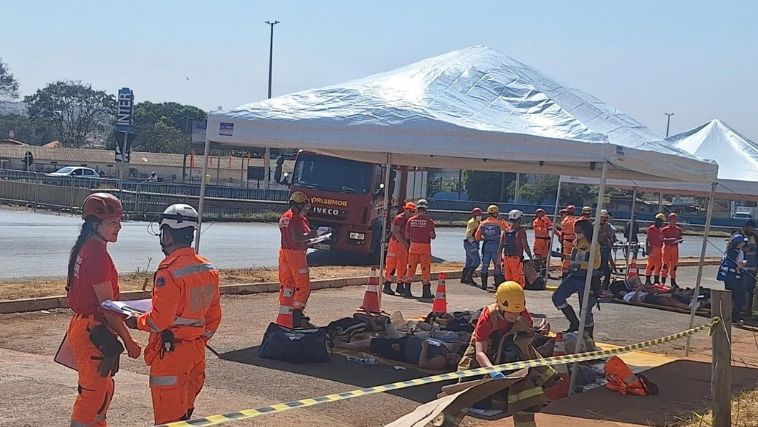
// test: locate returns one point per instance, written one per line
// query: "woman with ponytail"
(92, 333)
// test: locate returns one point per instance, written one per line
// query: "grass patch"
(744, 413)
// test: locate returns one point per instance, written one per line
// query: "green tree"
(164, 127)
(8, 83)
(544, 187)
(34, 132)
(76, 111)
(486, 186)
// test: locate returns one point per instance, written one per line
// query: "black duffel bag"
(301, 345)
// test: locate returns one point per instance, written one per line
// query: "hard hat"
(422, 204)
(493, 209)
(586, 209)
(603, 212)
(179, 216)
(540, 212)
(510, 297)
(515, 215)
(476, 212)
(660, 216)
(299, 197)
(563, 211)
(571, 209)
(738, 238)
(102, 206)
(673, 216)
(410, 206)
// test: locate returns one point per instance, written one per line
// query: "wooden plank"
(721, 363)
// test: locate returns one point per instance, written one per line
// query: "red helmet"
(540, 212)
(571, 209)
(476, 212)
(102, 206)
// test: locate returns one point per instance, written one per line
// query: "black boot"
(300, 320)
(663, 280)
(400, 289)
(471, 280)
(656, 279)
(464, 275)
(426, 292)
(571, 317)
(407, 291)
(499, 279)
(388, 288)
(484, 277)
(647, 281)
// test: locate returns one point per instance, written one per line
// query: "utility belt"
(569, 239)
(542, 238)
(168, 343)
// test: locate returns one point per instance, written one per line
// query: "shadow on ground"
(332, 258)
(340, 370)
(684, 387)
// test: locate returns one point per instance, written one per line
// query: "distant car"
(75, 172)
(742, 215)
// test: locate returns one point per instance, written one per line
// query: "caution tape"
(557, 360)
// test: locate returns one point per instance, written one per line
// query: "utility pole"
(267, 155)
(668, 115)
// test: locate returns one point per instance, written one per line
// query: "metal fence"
(140, 199)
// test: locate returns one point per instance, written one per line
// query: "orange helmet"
(410, 206)
(102, 206)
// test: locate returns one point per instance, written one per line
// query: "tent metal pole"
(517, 189)
(553, 233)
(580, 344)
(631, 229)
(201, 202)
(708, 215)
(386, 203)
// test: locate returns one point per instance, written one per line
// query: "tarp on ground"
(468, 109)
(736, 156)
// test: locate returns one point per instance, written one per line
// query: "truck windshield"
(333, 174)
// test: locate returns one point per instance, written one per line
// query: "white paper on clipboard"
(318, 239)
(128, 308)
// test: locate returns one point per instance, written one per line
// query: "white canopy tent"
(469, 109)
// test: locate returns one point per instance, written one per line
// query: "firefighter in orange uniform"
(672, 237)
(397, 251)
(514, 244)
(91, 335)
(420, 232)
(567, 237)
(294, 277)
(654, 248)
(185, 313)
(542, 226)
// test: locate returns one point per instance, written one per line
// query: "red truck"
(348, 197)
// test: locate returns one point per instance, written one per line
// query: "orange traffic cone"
(371, 296)
(561, 389)
(633, 270)
(440, 302)
(285, 308)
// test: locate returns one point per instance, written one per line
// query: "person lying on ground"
(425, 353)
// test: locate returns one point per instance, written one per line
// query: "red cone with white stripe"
(371, 296)
(440, 301)
(561, 389)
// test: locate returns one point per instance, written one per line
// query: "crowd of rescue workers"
(186, 312)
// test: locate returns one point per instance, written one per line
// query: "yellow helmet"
(660, 216)
(298, 197)
(493, 209)
(510, 297)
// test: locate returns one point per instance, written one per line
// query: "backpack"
(301, 345)
(510, 243)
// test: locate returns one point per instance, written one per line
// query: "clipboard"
(128, 308)
(65, 355)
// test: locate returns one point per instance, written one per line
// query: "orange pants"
(540, 247)
(397, 259)
(654, 261)
(514, 270)
(176, 379)
(95, 392)
(420, 253)
(293, 274)
(568, 246)
(670, 261)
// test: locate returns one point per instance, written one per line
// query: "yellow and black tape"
(551, 361)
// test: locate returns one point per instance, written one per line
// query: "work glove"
(108, 366)
(496, 375)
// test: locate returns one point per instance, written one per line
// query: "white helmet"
(515, 215)
(422, 204)
(179, 216)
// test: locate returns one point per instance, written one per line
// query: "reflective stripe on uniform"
(303, 270)
(208, 334)
(152, 325)
(289, 292)
(164, 380)
(630, 379)
(298, 305)
(283, 309)
(191, 269)
(184, 321)
(526, 394)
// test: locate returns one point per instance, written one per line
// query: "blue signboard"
(125, 112)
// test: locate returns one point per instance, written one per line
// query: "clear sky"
(697, 59)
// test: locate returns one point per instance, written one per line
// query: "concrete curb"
(51, 303)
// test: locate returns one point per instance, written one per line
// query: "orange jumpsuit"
(671, 235)
(655, 253)
(93, 266)
(294, 277)
(568, 235)
(541, 227)
(397, 253)
(418, 231)
(186, 302)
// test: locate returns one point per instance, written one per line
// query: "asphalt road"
(36, 391)
(37, 245)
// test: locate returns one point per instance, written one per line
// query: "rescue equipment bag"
(300, 345)
(621, 379)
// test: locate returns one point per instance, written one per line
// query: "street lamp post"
(267, 154)
(668, 122)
